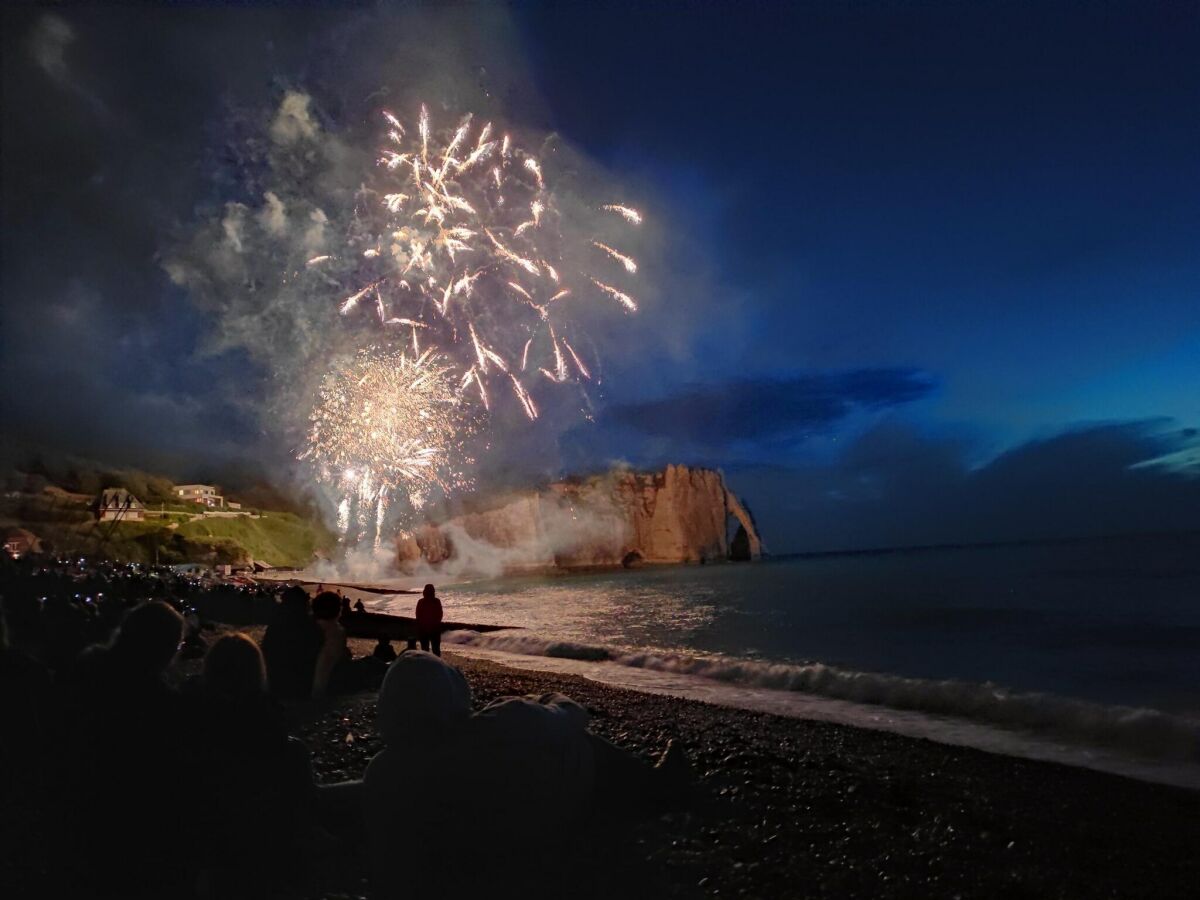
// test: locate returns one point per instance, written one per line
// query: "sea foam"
(1148, 733)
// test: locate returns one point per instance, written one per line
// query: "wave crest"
(1144, 732)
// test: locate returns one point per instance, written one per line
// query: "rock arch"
(746, 543)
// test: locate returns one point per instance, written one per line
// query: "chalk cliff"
(681, 514)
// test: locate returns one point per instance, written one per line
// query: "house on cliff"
(205, 494)
(118, 503)
(19, 541)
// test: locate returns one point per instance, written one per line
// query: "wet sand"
(795, 808)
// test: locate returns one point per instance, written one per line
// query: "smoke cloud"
(296, 186)
(563, 531)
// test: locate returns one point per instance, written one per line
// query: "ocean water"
(1085, 652)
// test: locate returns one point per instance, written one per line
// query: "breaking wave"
(1143, 732)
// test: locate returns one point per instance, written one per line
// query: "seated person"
(290, 646)
(26, 747)
(335, 651)
(520, 773)
(384, 650)
(336, 670)
(127, 747)
(258, 782)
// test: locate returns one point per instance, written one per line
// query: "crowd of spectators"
(142, 751)
(126, 771)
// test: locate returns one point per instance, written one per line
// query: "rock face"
(681, 514)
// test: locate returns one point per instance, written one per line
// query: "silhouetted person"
(429, 621)
(523, 772)
(25, 749)
(290, 646)
(335, 651)
(337, 671)
(384, 650)
(359, 606)
(422, 717)
(258, 787)
(235, 672)
(24, 696)
(136, 661)
(131, 748)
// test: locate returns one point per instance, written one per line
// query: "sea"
(1082, 652)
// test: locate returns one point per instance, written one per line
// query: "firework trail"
(462, 264)
(386, 427)
(460, 244)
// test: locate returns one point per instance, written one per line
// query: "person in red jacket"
(429, 621)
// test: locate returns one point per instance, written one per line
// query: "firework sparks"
(578, 362)
(630, 215)
(627, 261)
(464, 238)
(352, 301)
(387, 426)
(628, 302)
(461, 259)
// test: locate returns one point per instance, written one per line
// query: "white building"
(118, 503)
(200, 493)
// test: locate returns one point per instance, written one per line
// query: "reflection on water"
(1052, 651)
(607, 609)
(1112, 621)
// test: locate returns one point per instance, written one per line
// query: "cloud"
(895, 486)
(758, 409)
(88, 377)
(1185, 462)
(273, 216)
(233, 225)
(234, 156)
(48, 43)
(49, 40)
(314, 235)
(293, 121)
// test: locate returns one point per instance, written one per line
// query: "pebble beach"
(793, 808)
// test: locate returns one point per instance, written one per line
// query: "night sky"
(933, 270)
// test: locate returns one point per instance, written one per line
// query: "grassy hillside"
(64, 522)
(278, 538)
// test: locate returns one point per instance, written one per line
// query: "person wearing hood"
(449, 785)
(257, 781)
(334, 654)
(291, 645)
(128, 749)
(429, 620)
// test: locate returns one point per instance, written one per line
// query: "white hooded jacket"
(510, 776)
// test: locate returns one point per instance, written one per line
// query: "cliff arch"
(746, 544)
(681, 514)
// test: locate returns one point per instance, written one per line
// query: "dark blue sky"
(1007, 196)
(937, 268)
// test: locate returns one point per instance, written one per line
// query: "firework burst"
(461, 244)
(469, 274)
(387, 427)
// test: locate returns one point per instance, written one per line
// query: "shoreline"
(801, 808)
(948, 729)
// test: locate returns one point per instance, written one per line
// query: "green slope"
(277, 538)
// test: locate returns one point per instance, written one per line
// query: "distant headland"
(676, 515)
(680, 514)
